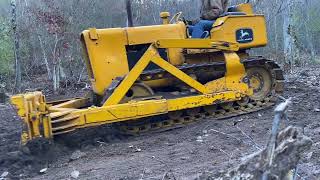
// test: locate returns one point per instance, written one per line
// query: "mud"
(184, 153)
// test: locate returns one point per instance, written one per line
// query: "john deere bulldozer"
(152, 78)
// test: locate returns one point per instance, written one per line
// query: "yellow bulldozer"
(152, 78)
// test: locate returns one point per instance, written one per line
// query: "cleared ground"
(180, 153)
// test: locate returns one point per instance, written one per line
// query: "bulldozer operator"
(209, 12)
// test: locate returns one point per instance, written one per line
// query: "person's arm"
(213, 11)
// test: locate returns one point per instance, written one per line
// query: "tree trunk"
(287, 39)
(45, 58)
(56, 64)
(18, 76)
(275, 25)
(308, 32)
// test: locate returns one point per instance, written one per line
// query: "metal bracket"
(93, 34)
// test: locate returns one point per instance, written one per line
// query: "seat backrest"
(249, 31)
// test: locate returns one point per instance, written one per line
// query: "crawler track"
(215, 112)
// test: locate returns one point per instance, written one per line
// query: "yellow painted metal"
(54, 109)
(201, 51)
(175, 55)
(260, 81)
(93, 34)
(106, 48)
(150, 34)
(122, 112)
(59, 112)
(73, 103)
(197, 44)
(224, 29)
(233, 79)
(165, 17)
(255, 83)
(160, 83)
(107, 56)
(201, 100)
(245, 7)
(32, 109)
(47, 127)
(150, 55)
(235, 73)
(133, 75)
(180, 75)
(133, 110)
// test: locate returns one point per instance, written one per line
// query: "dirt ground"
(184, 153)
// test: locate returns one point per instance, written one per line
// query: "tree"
(55, 25)
(18, 76)
(288, 41)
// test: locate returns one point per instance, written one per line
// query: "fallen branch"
(279, 113)
(249, 137)
(280, 157)
(291, 143)
(229, 135)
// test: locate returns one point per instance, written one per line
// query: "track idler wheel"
(260, 80)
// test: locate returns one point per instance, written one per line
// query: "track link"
(167, 123)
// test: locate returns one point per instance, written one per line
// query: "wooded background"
(39, 39)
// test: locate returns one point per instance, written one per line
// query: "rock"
(25, 150)
(147, 171)
(44, 170)
(304, 73)
(184, 158)
(309, 156)
(199, 139)
(316, 173)
(170, 144)
(317, 144)
(75, 174)
(138, 150)
(317, 110)
(77, 155)
(14, 154)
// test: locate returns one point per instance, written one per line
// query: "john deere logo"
(244, 35)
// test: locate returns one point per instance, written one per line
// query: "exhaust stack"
(129, 13)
